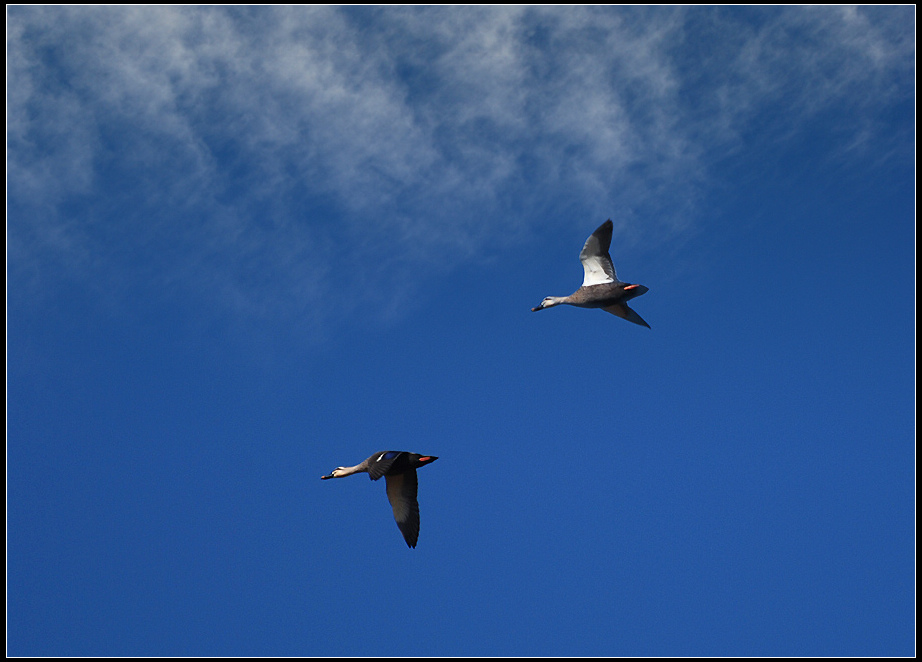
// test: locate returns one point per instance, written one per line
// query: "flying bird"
(601, 287)
(399, 471)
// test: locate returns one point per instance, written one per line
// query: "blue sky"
(248, 245)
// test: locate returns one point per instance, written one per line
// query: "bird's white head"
(336, 473)
(548, 302)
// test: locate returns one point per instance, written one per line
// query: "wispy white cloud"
(255, 151)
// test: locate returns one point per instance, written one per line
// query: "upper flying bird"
(601, 287)
(399, 471)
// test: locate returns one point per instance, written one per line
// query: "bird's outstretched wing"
(595, 258)
(624, 311)
(401, 492)
(380, 463)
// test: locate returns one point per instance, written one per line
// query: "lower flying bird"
(399, 471)
(601, 287)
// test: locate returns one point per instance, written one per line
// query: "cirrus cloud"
(253, 152)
